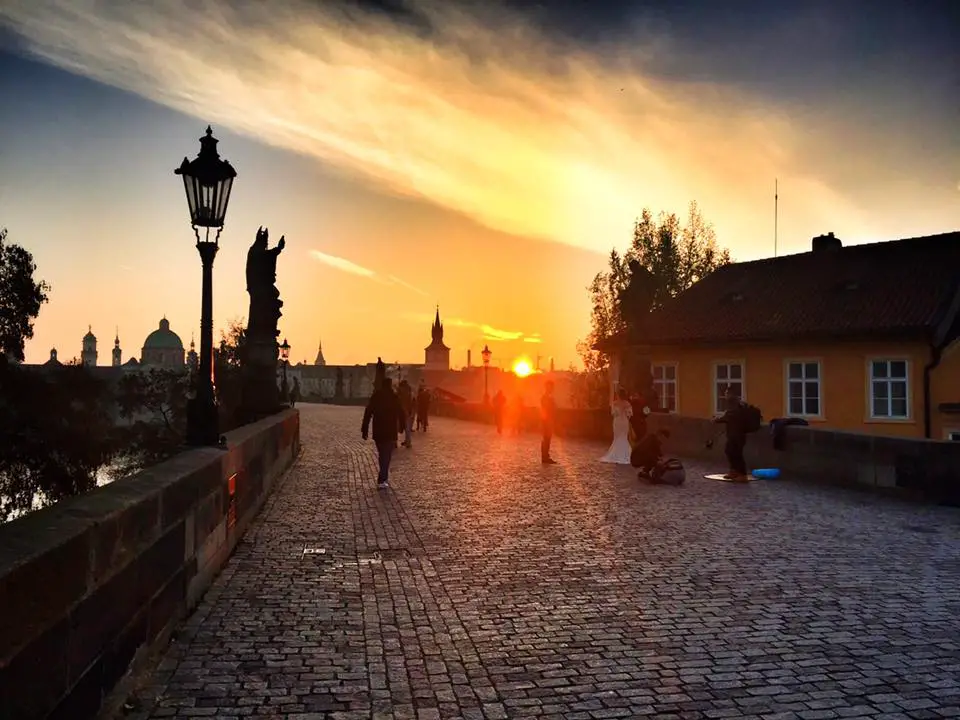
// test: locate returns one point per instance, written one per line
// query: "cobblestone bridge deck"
(483, 585)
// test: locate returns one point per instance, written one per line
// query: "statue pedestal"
(260, 394)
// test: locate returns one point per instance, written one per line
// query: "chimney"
(469, 363)
(551, 365)
(826, 242)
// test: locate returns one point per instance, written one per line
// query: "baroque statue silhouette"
(265, 302)
(261, 395)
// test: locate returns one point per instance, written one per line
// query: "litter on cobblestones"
(723, 478)
(766, 473)
(314, 551)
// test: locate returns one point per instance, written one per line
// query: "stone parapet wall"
(97, 581)
(929, 469)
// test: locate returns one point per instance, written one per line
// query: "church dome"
(90, 335)
(163, 338)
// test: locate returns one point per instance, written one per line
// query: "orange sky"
(407, 173)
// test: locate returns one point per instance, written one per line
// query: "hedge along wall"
(92, 582)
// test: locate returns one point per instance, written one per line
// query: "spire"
(117, 354)
(436, 332)
(320, 360)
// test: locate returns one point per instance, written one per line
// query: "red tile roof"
(903, 288)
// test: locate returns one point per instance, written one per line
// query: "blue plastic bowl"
(766, 473)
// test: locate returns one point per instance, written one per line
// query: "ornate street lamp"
(485, 354)
(285, 360)
(207, 181)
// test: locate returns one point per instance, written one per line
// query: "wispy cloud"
(538, 138)
(532, 340)
(353, 268)
(492, 333)
(487, 331)
(403, 283)
(343, 264)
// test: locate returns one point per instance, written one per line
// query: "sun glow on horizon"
(522, 367)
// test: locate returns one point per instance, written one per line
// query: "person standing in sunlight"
(499, 409)
(516, 415)
(548, 415)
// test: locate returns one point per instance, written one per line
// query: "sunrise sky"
(482, 160)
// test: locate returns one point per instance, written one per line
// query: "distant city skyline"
(483, 160)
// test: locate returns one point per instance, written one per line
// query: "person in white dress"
(619, 452)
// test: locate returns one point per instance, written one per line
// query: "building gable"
(900, 289)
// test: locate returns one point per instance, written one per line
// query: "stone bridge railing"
(921, 468)
(92, 585)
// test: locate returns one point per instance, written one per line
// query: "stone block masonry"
(94, 582)
(484, 585)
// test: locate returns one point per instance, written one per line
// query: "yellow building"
(860, 338)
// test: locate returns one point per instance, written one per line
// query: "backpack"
(753, 418)
(669, 472)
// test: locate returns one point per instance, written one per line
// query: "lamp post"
(285, 360)
(485, 354)
(207, 181)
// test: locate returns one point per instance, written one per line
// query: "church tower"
(320, 360)
(88, 356)
(193, 362)
(117, 353)
(437, 355)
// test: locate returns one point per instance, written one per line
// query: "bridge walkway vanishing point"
(484, 585)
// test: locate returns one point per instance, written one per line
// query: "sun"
(521, 368)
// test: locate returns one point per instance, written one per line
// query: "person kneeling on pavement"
(647, 456)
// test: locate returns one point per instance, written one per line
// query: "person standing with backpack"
(741, 419)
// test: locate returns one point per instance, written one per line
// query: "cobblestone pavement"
(504, 589)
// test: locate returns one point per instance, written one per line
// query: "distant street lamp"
(285, 360)
(485, 354)
(207, 181)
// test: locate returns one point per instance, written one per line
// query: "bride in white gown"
(619, 452)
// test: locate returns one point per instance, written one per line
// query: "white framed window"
(889, 389)
(804, 396)
(665, 385)
(727, 375)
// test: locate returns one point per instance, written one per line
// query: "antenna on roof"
(776, 212)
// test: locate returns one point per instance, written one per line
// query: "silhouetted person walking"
(499, 408)
(423, 408)
(405, 395)
(295, 393)
(387, 415)
(548, 415)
